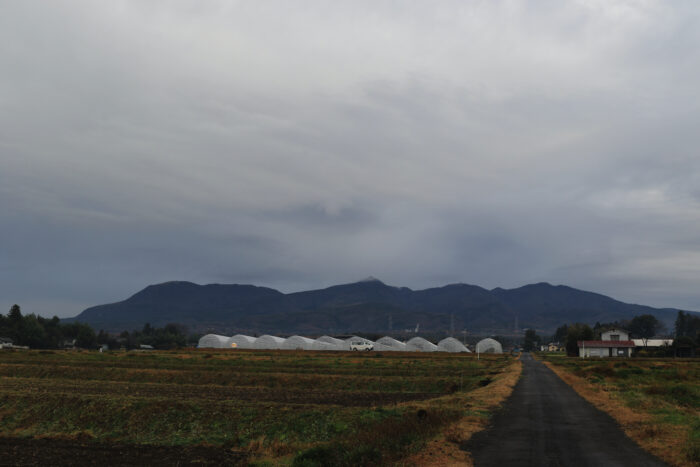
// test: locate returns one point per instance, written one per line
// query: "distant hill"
(368, 305)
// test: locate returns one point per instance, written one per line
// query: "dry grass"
(663, 440)
(445, 450)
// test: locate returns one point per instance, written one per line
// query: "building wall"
(602, 352)
(624, 336)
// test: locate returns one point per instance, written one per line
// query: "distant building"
(652, 343)
(7, 343)
(612, 343)
(551, 347)
(68, 344)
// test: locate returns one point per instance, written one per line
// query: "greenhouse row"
(385, 344)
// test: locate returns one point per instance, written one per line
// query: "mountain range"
(368, 305)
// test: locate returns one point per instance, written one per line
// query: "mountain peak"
(370, 279)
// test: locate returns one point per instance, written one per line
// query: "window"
(614, 337)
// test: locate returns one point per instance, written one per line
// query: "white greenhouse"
(489, 345)
(418, 344)
(240, 341)
(268, 342)
(297, 343)
(450, 344)
(337, 344)
(212, 341)
(320, 345)
(389, 344)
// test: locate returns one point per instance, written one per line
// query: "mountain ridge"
(368, 305)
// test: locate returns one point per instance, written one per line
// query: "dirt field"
(230, 407)
(58, 453)
(38, 387)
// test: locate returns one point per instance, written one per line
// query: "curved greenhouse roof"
(240, 341)
(389, 344)
(418, 344)
(489, 345)
(267, 342)
(330, 343)
(331, 340)
(297, 342)
(385, 348)
(450, 344)
(212, 341)
(320, 345)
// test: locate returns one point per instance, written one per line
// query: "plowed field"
(224, 407)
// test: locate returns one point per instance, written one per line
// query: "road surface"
(545, 423)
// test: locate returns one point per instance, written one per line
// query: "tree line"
(37, 332)
(686, 335)
(687, 329)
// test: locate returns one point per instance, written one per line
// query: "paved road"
(545, 424)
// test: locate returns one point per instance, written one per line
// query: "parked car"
(361, 345)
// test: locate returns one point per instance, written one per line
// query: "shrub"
(693, 448)
(316, 457)
(680, 394)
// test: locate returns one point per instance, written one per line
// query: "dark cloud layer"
(302, 144)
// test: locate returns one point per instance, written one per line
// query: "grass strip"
(661, 418)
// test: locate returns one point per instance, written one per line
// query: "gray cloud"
(302, 145)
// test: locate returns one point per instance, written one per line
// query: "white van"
(361, 345)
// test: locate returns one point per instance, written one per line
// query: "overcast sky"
(301, 144)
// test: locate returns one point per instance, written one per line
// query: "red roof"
(606, 344)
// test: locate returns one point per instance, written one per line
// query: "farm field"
(223, 407)
(656, 401)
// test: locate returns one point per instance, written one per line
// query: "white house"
(612, 343)
(615, 335)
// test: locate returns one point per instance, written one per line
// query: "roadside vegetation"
(275, 407)
(656, 401)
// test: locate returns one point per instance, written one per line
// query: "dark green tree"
(532, 341)
(13, 323)
(684, 346)
(15, 315)
(688, 325)
(645, 327)
(83, 334)
(577, 332)
(85, 338)
(681, 324)
(560, 334)
(54, 331)
(32, 333)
